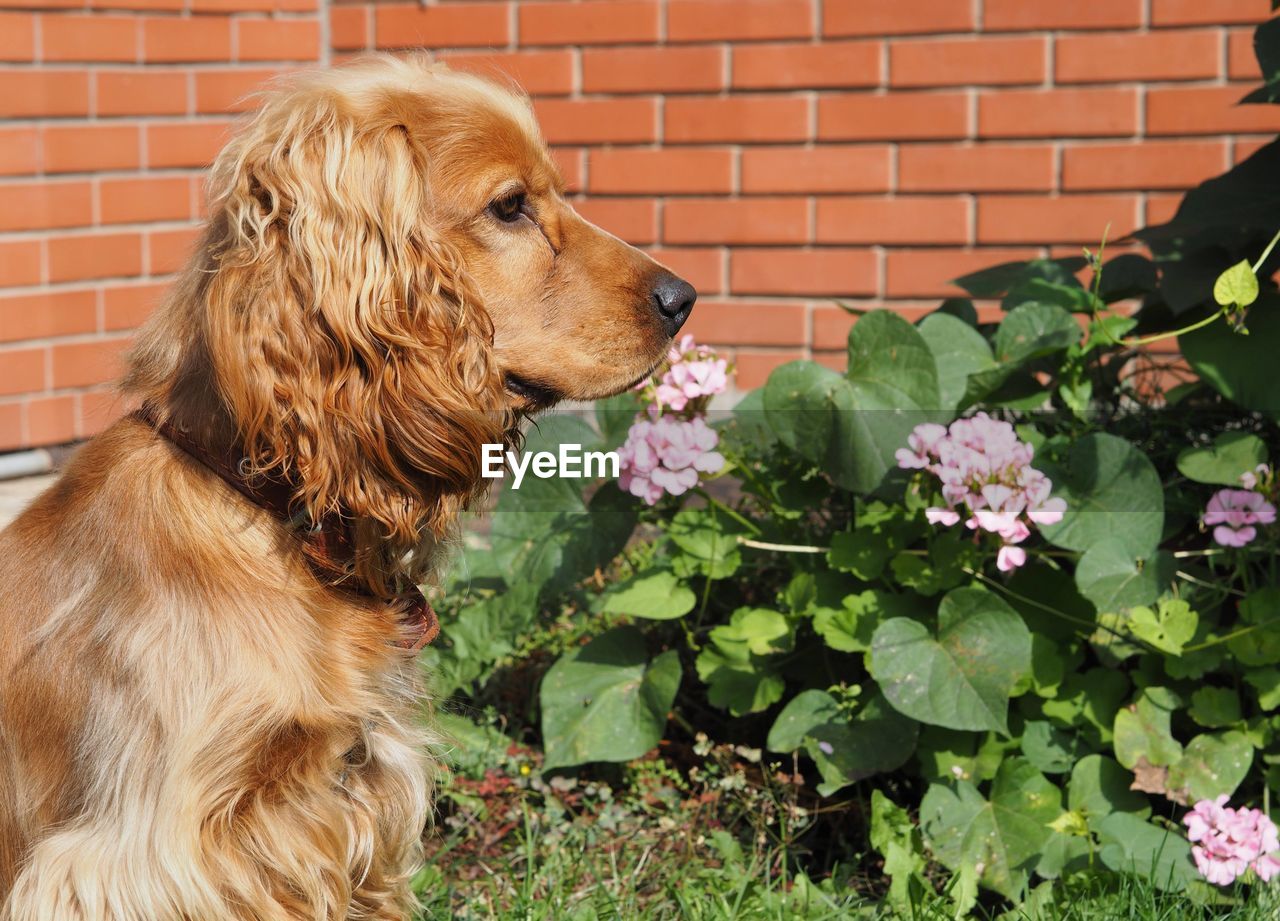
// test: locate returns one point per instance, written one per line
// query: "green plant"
(1042, 692)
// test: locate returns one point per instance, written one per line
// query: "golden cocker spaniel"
(208, 710)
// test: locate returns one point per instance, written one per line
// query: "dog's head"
(391, 276)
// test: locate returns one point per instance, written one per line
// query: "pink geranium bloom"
(1227, 842)
(665, 456)
(1233, 513)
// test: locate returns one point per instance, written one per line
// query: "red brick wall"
(780, 153)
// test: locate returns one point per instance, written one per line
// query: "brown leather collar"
(328, 546)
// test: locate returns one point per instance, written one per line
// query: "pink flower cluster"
(666, 455)
(1233, 513)
(670, 444)
(986, 473)
(693, 371)
(1227, 842)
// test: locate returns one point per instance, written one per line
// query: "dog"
(209, 703)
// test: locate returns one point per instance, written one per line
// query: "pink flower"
(1232, 513)
(984, 469)
(1227, 842)
(1251, 478)
(665, 456)
(694, 372)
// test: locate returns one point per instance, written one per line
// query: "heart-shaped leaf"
(1212, 764)
(656, 595)
(607, 701)
(958, 350)
(1034, 330)
(962, 678)
(1114, 581)
(1241, 368)
(1222, 463)
(1099, 786)
(1237, 286)
(1142, 731)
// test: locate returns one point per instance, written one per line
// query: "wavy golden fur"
(193, 726)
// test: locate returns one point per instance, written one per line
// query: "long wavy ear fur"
(347, 344)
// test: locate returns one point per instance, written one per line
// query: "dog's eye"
(510, 208)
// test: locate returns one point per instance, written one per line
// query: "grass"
(709, 834)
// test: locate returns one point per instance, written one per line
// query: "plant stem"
(716, 503)
(780, 548)
(1257, 266)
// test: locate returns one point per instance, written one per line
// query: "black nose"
(673, 297)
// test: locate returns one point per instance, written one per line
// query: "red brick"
(594, 121)
(23, 370)
(152, 198)
(1242, 61)
(41, 93)
(1150, 164)
(917, 219)
(545, 73)
(43, 205)
(109, 255)
(571, 23)
(51, 420)
(1247, 147)
(746, 118)
(42, 316)
(738, 20)
(207, 38)
(1160, 209)
(1207, 110)
(127, 306)
(742, 220)
(1069, 219)
(1124, 57)
(829, 168)
(831, 324)
(100, 408)
(739, 323)
(896, 17)
(1200, 13)
(90, 148)
(43, 4)
(185, 144)
(20, 262)
(11, 426)
(830, 271)
(980, 168)
(701, 267)
(633, 219)
(569, 160)
(80, 364)
(893, 116)
(463, 25)
(1103, 112)
(278, 40)
(142, 93)
(147, 5)
(654, 172)
(752, 369)
(222, 91)
(1019, 15)
(834, 64)
(89, 38)
(968, 61)
(645, 70)
(928, 272)
(349, 28)
(17, 37)
(19, 151)
(169, 250)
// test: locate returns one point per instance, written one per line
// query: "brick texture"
(778, 153)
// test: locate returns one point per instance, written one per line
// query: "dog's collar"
(327, 545)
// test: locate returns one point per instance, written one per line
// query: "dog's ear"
(346, 338)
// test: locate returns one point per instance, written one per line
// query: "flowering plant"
(1229, 842)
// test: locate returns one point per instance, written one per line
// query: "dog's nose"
(673, 297)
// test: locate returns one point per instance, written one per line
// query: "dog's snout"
(673, 297)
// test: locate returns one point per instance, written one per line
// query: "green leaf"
(1089, 701)
(1133, 845)
(1070, 297)
(1050, 749)
(708, 541)
(962, 678)
(879, 531)
(607, 701)
(736, 680)
(614, 416)
(889, 357)
(759, 631)
(958, 350)
(1241, 368)
(1212, 764)
(1266, 683)
(1035, 330)
(1222, 463)
(804, 712)
(1261, 645)
(1110, 577)
(655, 595)
(1142, 731)
(1004, 835)
(1215, 707)
(1099, 786)
(850, 627)
(1168, 628)
(877, 739)
(897, 839)
(1237, 286)
(998, 280)
(1112, 491)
